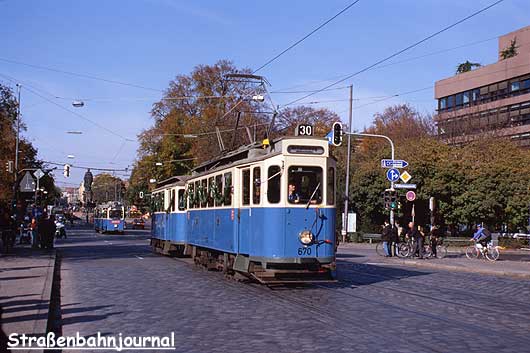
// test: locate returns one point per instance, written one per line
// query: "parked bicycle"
(488, 252)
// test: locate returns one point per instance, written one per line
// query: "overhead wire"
(415, 44)
(268, 62)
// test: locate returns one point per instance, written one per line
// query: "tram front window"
(305, 185)
(115, 214)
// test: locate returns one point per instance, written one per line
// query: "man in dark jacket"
(50, 231)
(385, 238)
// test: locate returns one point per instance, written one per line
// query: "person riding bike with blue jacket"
(482, 236)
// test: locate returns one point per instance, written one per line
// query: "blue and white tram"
(109, 217)
(168, 229)
(268, 213)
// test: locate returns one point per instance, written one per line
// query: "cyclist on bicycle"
(481, 237)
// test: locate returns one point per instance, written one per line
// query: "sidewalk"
(512, 263)
(26, 277)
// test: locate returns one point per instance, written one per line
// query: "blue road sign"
(393, 163)
(329, 136)
(392, 175)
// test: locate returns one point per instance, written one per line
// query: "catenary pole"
(347, 186)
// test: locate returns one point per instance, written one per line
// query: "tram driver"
(293, 196)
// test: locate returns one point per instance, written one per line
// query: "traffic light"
(390, 199)
(336, 134)
(9, 167)
(66, 171)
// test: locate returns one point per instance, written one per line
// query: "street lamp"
(71, 156)
(74, 132)
(78, 103)
(158, 164)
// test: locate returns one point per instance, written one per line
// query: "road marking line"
(141, 258)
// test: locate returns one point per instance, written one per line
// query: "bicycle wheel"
(472, 252)
(427, 251)
(492, 254)
(379, 249)
(441, 252)
(404, 250)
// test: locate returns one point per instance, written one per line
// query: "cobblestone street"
(114, 284)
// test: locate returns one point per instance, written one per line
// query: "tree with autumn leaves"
(184, 122)
(27, 156)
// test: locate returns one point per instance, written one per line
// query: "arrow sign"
(392, 175)
(393, 163)
(27, 183)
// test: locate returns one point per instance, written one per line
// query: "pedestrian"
(34, 234)
(421, 241)
(41, 229)
(394, 240)
(385, 238)
(50, 231)
(434, 238)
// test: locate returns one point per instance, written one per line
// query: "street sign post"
(391, 163)
(404, 186)
(410, 195)
(392, 175)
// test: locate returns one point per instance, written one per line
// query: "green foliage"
(466, 66)
(107, 188)
(510, 51)
(484, 181)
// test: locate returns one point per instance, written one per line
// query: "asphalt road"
(114, 284)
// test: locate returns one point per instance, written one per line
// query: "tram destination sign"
(393, 163)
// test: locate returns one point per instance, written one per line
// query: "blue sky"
(149, 42)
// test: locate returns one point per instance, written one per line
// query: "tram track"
(323, 315)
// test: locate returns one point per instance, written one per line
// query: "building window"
(273, 184)
(525, 84)
(459, 99)
(442, 103)
(466, 97)
(450, 102)
(514, 86)
(475, 95)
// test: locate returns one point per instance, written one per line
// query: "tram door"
(245, 213)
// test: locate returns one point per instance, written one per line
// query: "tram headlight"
(306, 237)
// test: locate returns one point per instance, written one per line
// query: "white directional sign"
(405, 176)
(393, 163)
(27, 184)
(404, 186)
(38, 174)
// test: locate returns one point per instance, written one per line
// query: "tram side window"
(256, 184)
(172, 201)
(162, 201)
(228, 189)
(204, 193)
(197, 199)
(245, 176)
(331, 186)
(191, 195)
(181, 200)
(273, 184)
(116, 213)
(307, 183)
(218, 190)
(210, 191)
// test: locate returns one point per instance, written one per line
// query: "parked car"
(138, 223)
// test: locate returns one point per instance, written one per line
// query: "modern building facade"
(493, 99)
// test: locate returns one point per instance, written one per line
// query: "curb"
(426, 264)
(40, 326)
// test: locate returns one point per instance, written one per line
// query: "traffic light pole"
(347, 187)
(348, 162)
